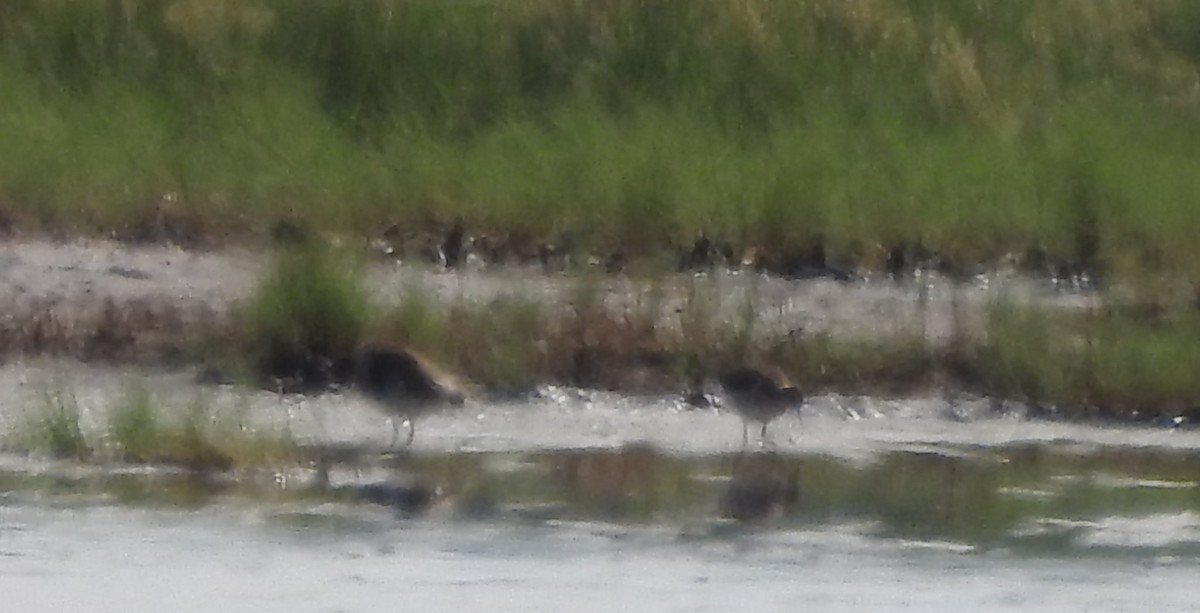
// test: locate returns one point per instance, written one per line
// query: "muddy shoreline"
(154, 305)
(79, 284)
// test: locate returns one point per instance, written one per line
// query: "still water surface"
(589, 502)
(223, 559)
(623, 530)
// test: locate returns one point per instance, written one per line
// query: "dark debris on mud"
(456, 244)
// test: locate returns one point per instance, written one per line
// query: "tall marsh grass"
(1065, 130)
(1107, 362)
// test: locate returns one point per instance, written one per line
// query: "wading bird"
(758, 396)
(404, 385)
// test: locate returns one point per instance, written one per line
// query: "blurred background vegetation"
(1059, 132)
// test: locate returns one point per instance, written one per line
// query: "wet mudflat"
(78, 279)
(576, 500)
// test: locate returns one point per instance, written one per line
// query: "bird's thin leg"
(412, 431)
(745, 434)
(395, 432)
(762, 437)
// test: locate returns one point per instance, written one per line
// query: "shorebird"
(404, 384)
(758, 396)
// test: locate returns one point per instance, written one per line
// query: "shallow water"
(230, 558)
(588, 501)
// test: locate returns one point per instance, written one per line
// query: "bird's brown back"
(749, 383)
(388, 372)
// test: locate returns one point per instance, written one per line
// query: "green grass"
(211, 436)
(55, 428)
(309, 311)
(142, 427)
(135, 427)
(1062, 129)
(1109, 362)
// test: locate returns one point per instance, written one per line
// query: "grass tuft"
(1105, 363)
(134, 426)
(57, 430)
(143, 429)
(309, 311)
(200, 436)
